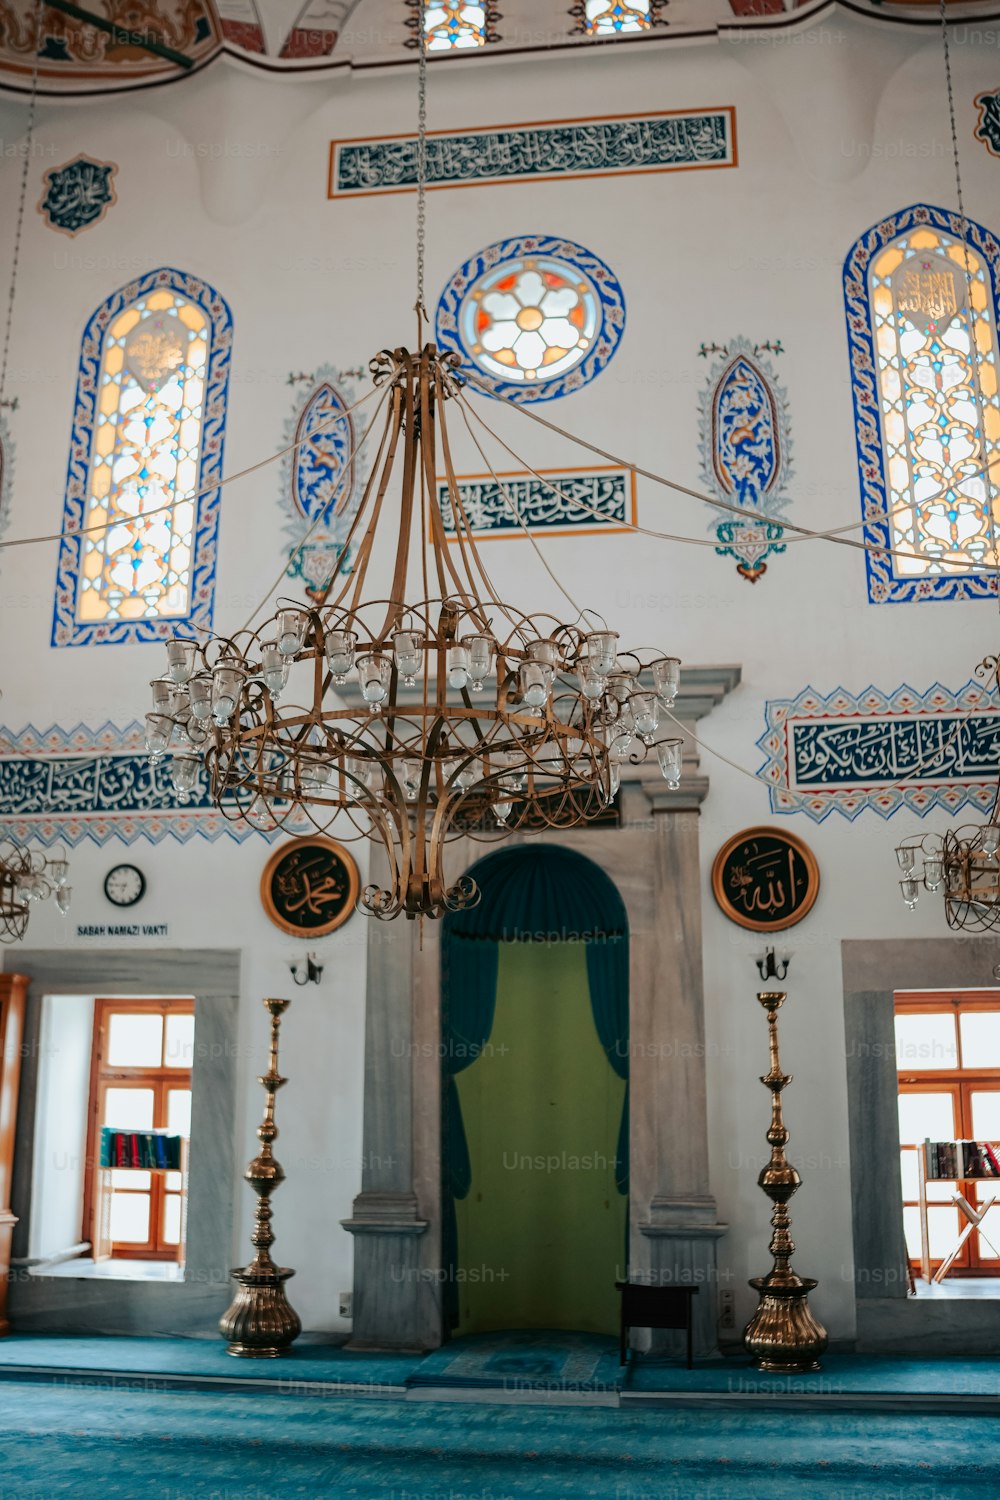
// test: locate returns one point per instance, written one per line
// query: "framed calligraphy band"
(309, 887)
(537, 151)
(765, 879)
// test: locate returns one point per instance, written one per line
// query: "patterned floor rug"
(105, 1444)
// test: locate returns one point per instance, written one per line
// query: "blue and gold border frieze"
(65, 786)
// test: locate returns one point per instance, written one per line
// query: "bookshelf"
(150, 1151)
(957, 1162)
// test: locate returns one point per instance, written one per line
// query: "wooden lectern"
(13, 989)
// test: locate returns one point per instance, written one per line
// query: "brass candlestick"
(783, 1336)
(259, 1323)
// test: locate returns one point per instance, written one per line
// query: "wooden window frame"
(162, 1080)
(961, 1083)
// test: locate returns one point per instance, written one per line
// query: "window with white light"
(614, 18)
(450, 25)
(141, 514)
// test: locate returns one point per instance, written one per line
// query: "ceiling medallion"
(470, 716)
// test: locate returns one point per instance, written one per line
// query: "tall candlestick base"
(259, 1322)
(783, 1335)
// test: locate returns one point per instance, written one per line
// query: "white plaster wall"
(226, 177)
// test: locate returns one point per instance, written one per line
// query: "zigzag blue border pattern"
(67, 785)
(610, 297)
(67, 630)
(884, 586)
(845, 752)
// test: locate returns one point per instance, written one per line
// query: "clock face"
(124, 885)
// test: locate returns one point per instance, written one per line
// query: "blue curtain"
(530, 893)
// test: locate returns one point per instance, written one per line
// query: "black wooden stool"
(655, 1307)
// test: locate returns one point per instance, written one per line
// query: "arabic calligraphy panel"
(765, 879)
(662, 142)
(309, 887)
(523, 501)
(882, 751)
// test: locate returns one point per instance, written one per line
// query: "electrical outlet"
(346, 1304)
(727, 1309)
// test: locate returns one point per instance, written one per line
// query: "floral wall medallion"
(323, 474)
(746, 452)
(78, 194)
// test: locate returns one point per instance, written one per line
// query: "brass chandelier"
(27, 877)
(438, 712)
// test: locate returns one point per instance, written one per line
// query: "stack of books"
(957, 1160)
(140, 1148)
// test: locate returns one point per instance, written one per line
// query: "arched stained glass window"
(921, 293)
(613, 17)
(146, 449)
(451, 24)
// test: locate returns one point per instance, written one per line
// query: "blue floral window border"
(885, 586)
(67, 629)
(603, 293)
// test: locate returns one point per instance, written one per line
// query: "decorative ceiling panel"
(101, 46)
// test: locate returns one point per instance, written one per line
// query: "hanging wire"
(209, 489)
(19, 224)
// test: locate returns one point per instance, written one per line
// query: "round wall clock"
(765, 879)
(309, 887)
(124, 885)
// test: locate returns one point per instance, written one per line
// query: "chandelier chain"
(421, 173)
(974, 351)
(25, 165)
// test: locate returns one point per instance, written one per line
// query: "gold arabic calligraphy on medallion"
(765, 879)
(309, 887)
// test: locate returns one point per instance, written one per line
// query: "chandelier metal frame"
(471, 718)
(26, 877)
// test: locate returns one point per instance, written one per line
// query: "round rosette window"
(533, 318)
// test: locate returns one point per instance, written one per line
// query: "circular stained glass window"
(537, 317)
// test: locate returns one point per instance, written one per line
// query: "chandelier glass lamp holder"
(437, 712)
(27, 878)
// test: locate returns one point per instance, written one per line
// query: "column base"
(397, 1303)
(677, 1248)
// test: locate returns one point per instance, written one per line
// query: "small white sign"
(122, 929)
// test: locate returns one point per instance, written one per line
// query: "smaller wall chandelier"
(26, 879)
(963, 865)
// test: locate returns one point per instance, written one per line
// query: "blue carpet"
(527, 1360)
(120, 1445)
(320, 1364)
(974, 1375)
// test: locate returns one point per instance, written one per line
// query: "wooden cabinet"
(13, 989)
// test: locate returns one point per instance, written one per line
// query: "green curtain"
(607, 970)
(530, 893)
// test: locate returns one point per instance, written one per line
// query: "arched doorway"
(535, 1120)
